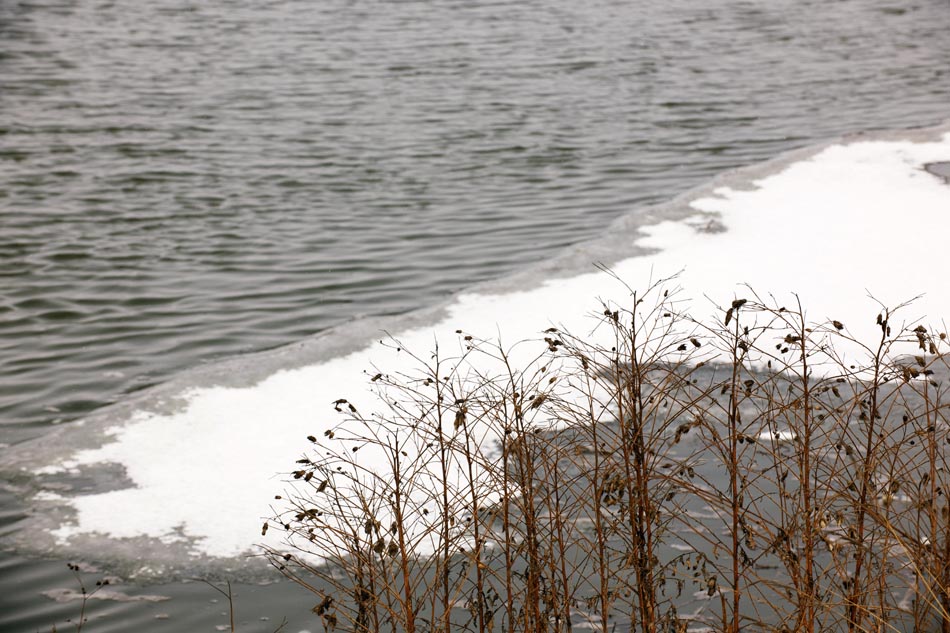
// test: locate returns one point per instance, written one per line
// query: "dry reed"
(739, 476)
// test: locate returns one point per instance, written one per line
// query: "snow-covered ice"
(851, 219)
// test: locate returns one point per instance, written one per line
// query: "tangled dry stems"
(680, 477)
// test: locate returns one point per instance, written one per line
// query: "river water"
(183, 182)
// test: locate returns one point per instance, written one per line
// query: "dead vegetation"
(741, 476)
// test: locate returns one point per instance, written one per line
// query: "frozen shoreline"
(200, 461)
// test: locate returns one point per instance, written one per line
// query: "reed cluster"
(681, 476)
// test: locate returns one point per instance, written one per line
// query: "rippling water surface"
(189, 180)
(185, 181)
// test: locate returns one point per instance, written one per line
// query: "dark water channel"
(182, 182)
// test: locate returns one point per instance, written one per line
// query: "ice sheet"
(850, 220)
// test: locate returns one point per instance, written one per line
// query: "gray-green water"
(184, 181)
